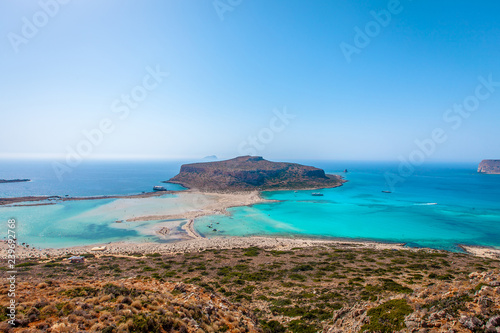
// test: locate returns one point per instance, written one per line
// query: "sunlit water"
(439, 206)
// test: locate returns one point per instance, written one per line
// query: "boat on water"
(118, 221)
(386, 192)
(159, 188)
(317, 194)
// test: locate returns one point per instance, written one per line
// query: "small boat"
(159, 188)
(118, 221)
(214, 230)
(209, 226)
(317, 194)
(345, 171)
(386, 192)
(216, 222)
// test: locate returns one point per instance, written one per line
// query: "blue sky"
(228, 79)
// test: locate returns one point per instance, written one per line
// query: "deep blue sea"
(91, 178)
(439, 206)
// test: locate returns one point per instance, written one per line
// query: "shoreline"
(341, 179)
(198, 243)
(57, 198)
(188, 227)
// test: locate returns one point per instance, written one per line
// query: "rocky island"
(14, 180)
(489, 167)
(250, 173)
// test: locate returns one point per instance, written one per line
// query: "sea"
(439, 206)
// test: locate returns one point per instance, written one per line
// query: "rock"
(493, 322)
(437, 315)
(485, 290)
(411, 324)
(489, 167)
(485, 302)
(471, 323)
(5, 327)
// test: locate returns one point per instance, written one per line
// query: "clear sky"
(285, 79)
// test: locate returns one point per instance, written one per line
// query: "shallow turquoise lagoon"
(85, 222)
(438, 207)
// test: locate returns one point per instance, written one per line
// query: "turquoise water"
(84, 222)
(439, 206)
(62, 224)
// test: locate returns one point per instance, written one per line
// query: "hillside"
(252, 173)
(489, 167)
(338, 288)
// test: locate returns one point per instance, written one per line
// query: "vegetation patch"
(388, 317)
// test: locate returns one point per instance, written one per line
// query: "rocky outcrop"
(489, 167)
(253, 173)
(458, 306)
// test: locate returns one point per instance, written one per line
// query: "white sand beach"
(196, 245)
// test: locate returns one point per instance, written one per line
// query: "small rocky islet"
(489, 167)
(250, 173)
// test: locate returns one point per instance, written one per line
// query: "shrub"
(297, 277)
(251, 252)
(52, 264)
(388, 317)
(452, 305)
(27, 264)
(272, 326)
(302, 268)
(80, 292)
(298, 326)
(117, 291)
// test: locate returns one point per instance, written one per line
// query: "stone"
(493, 322)
(489, 167)
(471, 323)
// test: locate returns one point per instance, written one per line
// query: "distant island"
(210, 158)
(489, 167)
(247, 173)
(14, 180)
